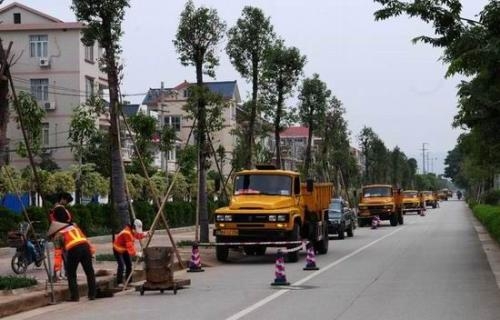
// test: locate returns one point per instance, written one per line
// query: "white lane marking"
(276, 295)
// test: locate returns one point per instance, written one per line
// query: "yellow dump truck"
(380, 200)
(412, 201)
(269, 207)
(430, 199)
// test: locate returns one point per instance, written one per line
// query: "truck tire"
(249, 251)
(260, 251)
(394, 219)
(400, 219)
(293, 256)
(341, 232)
(350, 230)
(222, 252)
(322, 245)
(434, 205)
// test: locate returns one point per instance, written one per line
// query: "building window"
(39, 46)
(172, 154)
(173, 122)
(101, 92)
(17, 18)
(45, 134)
(89, 87)
(40, 89)
(89, 53)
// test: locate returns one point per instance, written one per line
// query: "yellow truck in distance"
(411, 201)
(430, 199)
(270, 205)
(380, 200)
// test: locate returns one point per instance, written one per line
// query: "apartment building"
(293, 146)
(56, 68)
(169, 103)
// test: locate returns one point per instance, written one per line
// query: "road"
(432, 267)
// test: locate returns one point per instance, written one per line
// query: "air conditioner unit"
(49, 105)
(44, 62)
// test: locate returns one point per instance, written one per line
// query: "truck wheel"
(361, 223)
(260, 251)
(394, 219)
(434, 205)
(222, 252)
(249, 251)
(294, 255)
(341, 232)
(400, 219)
(322, 245)
(350, 231)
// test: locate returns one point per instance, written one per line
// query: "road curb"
(490, 247)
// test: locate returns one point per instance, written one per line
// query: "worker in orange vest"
(78, 250)
(124, 248)
(61, 214)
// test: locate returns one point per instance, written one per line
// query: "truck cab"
(411, 201)
(380, 200)
(269, 207)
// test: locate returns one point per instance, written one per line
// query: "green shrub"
(41, 216)
(491, 197)
(15, 282)
(8, 221)
(145, 212)
(105, 257)
(490, 218)
(82, 217)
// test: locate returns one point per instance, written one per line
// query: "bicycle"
(28, 250)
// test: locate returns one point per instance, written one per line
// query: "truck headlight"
(219, 217)
(363, 208)
(272, 218)
(228, 217)
(282, 217)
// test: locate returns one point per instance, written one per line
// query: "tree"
(143, 127)
(198, 34)
(4, 103)
(470, 49)
(366, 138)
(335, 153)
(247, 41)
(81, 131)
(103, 19)
(313, 104)
(282, 68)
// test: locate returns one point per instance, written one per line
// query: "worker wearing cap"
(61, 214)
(124, 248)
(78, 250)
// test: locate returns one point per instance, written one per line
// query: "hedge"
(490, 217)
(97, 219)
(15, 282)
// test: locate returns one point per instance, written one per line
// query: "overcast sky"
(384, 81)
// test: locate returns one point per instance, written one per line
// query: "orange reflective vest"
(52, 214)
(57, 259)
(124, 241)
(73, 236)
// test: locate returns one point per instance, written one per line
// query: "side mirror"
(309, 185)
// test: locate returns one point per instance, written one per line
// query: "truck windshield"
(408, 194)
(335, 206)
(377, 192)
(334, 214)
(263, 184)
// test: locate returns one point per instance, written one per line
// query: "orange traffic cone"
(195, 262)
(279, 271)
(311, 258)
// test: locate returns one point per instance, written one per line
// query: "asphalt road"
(432, 267)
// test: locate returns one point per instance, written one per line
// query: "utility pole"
(429, 168)
(423, 156)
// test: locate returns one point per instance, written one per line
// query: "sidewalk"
(20, 300)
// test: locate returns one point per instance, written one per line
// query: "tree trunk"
(277, 127)
(253, 115)
(117, 174)
(4, 108)
(202, 155)
(307, 163)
